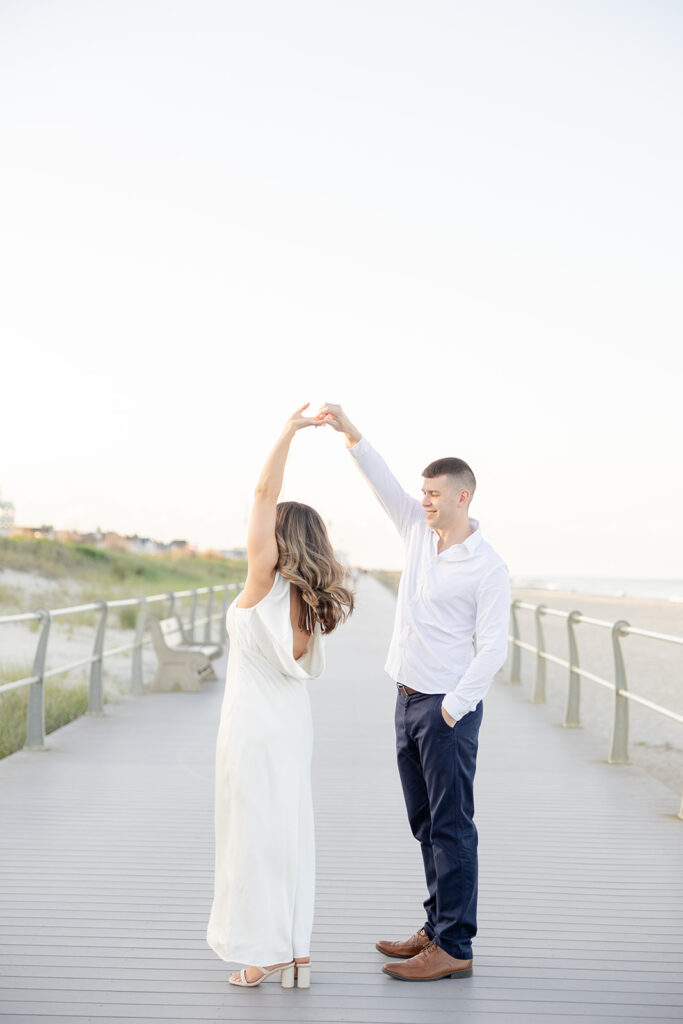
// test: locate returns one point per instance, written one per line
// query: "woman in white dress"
(262, 911)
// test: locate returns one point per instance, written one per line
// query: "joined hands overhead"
(335, 417)
(328, 414)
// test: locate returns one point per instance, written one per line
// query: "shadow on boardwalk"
(106, 867)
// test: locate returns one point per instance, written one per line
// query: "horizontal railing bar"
(122, 602)
(595, 679)
(651, 704)
(523, 645)
(556, 611)
(21, 617)
(17, 683)
(633, 631)
(552, 657)
(562, 662)
(545, 610)
(588, 620)
(92, 607)
(68, 668)
(593, 622)
(118, 650)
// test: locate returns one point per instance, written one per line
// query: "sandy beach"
(654, 670)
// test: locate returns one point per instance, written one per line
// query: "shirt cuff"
(455, 706)
(360, 447)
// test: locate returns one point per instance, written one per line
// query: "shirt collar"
(466, 548)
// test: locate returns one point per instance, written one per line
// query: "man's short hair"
(452, 467)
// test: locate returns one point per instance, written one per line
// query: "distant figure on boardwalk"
(453, 585)
(262, 911)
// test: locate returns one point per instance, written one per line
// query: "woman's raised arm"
(262, 552)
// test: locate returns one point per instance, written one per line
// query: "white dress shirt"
(443, 599)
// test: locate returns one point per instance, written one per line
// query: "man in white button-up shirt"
(454, 589)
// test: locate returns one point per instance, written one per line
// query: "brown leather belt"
(406, 690)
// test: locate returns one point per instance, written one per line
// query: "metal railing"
(618, 753)
(35, 721)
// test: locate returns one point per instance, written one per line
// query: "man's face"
(441, 498)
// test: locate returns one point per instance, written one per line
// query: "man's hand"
(335, 416)
(447, 718)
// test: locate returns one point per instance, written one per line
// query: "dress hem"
(241, 956)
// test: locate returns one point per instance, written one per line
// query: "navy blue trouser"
(437, 764)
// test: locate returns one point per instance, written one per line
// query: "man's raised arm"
(402, 509)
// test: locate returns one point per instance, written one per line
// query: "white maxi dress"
(264, 881)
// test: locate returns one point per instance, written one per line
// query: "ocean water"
(662, 590)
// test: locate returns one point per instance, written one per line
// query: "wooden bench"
(181, 664)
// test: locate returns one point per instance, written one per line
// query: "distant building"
(182, 547)
(6, 518)
(94, 540)
(143, 545)
(45, 532)
(237, 553)
(115, 542)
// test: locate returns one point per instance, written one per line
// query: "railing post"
(516, 650)
(136, 682)
(538, 696)
(209, 612)
(193, 616)
(95, 696)
(35, 719)
(619, 748)
(171, 602)
(572, 718)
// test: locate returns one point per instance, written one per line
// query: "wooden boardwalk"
(106, 867)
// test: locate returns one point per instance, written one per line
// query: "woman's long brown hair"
(307, 559)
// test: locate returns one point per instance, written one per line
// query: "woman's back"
(270, 630)
(254, 593)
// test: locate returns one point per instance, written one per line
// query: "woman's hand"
(296, 421)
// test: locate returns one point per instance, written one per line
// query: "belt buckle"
(402, 690)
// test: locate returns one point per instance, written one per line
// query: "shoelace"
(428, 949)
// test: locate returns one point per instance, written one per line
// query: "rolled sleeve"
(492, 626)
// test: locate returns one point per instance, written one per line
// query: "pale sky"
(460, 220)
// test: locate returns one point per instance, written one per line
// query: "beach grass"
(62, 705)
(388, 577)
(104, 574)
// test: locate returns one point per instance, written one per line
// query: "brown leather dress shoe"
(409, 947)
(432, 963)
